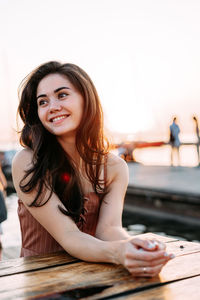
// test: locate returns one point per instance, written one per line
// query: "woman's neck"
(69, 146)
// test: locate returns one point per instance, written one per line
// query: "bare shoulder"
(22, 159)
(21, 162)
(116, 161)
(116, 167)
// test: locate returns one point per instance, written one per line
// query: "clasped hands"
(144, 258)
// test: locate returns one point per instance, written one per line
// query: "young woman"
(71, 189)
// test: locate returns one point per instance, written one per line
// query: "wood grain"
(188, 289)
(178, 268)
(57, 279)
(38, 276)
(20, 265)
(182, 247)
(79, 275)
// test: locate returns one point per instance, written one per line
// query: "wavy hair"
(51, 165)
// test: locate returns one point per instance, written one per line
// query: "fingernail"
(151, 245)
(166, 254)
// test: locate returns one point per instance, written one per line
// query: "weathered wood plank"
(78, 275)
(83, 275)
(182, 247)
(20, 265)
(57, 279)
(181, 290)
(178, 268)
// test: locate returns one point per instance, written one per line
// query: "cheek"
(41, 115)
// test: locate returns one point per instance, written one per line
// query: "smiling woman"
(68, 183)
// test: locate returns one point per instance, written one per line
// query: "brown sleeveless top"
(36, 239)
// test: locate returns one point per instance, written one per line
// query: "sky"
(143, 57)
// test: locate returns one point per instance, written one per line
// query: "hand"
(144, 258)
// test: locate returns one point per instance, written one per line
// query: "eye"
(62, 95)
(42, 102)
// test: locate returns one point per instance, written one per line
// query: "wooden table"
(60, 276)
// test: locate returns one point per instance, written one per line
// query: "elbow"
(100, 232)
(104, 233)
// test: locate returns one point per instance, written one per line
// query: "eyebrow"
(55, 91)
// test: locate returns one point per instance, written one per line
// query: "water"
(161, 155)
(163, 226)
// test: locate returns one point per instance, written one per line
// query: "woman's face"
(60, 105)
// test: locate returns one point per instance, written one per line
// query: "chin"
(66, 134)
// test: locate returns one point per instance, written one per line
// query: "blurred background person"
(174, 141)
(198, 138)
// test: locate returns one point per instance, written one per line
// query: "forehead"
(51, 82)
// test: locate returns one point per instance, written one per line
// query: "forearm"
(112, 233)
(126, 252)
(89, 248)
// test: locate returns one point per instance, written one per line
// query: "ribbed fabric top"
(36, 239)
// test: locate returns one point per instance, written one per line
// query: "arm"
(109, 226)
(61, 227)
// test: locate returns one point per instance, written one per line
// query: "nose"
(54, 105)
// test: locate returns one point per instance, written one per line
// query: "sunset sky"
(143, 56)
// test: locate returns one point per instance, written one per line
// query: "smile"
(58, 118)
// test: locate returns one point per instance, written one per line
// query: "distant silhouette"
(174, 141)
(198, 138)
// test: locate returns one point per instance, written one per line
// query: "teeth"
(58, 118)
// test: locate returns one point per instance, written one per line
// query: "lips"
(58, 118)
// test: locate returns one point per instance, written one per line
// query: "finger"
(160, 245)
(141, 263)
(150, 245)
(145, 244)
(158, 262)
(146, 255)
(146, 271)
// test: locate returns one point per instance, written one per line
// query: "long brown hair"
(51, 166)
